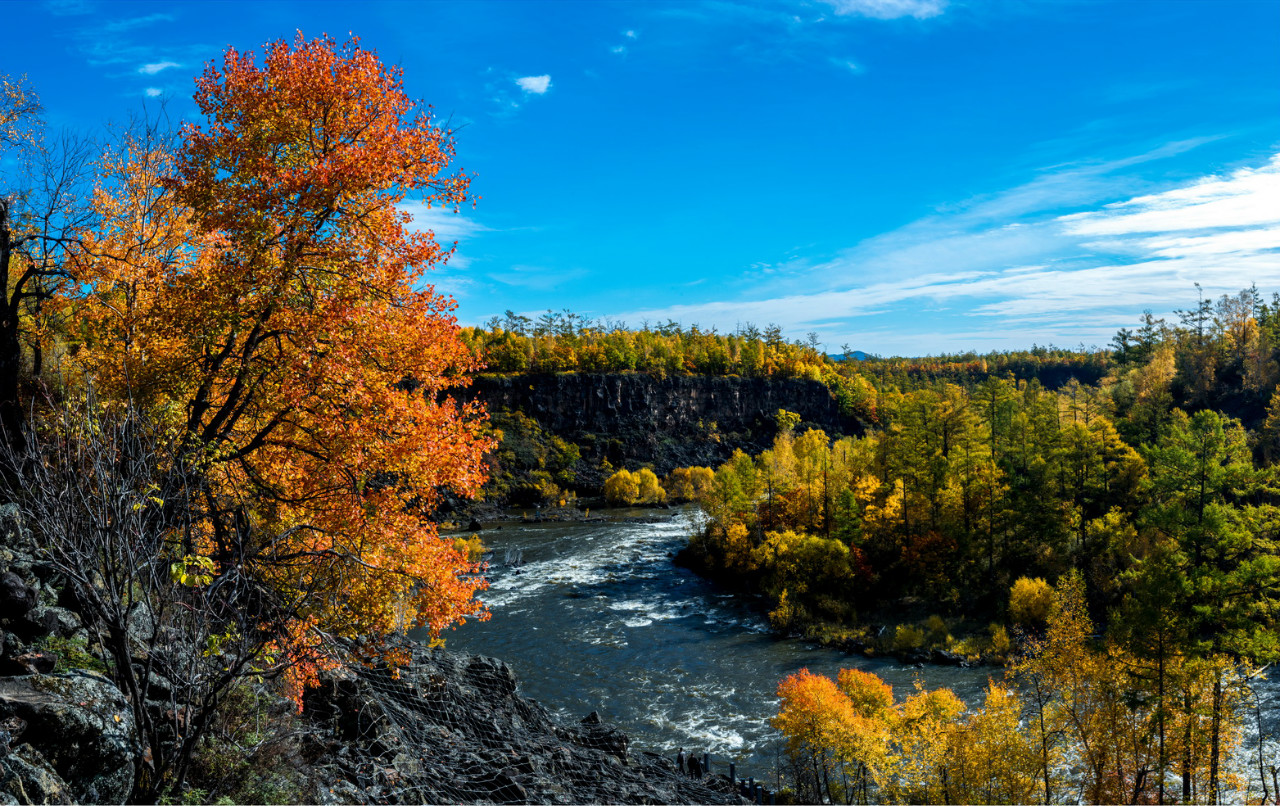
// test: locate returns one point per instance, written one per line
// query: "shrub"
(788, 615)
(1000, 643)
(908, 637)
(650, 491)
(472, 547)
(73, 653)
(937, 629)
(621, 489)
(689, 483)
(1030, 601)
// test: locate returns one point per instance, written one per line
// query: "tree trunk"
(10, 346)
(1215, 738)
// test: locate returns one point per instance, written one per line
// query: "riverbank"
(453, 728)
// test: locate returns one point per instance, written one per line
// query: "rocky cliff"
(637, 418)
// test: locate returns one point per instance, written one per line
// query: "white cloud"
(618, 49)
(1248, 197)
(447, 225)
(629, 34)
(156, 67)
(888, 9)
(153, 92)
(537, 85)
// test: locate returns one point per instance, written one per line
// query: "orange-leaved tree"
(257, 288)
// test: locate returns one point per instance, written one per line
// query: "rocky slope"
(447, 728)
(452, 728)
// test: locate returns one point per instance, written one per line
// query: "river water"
(596, 617)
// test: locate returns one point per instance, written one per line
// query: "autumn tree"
(622, 488)
(261, 293)
(819, 723)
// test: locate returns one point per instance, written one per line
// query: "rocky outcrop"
(453, 729)
(64, 738)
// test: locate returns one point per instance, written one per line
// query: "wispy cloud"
(447, 225)
(1245, 198)
(536, 278)
(888, 9)
(1026, 266)
(153, 92)
(156, 67)
(538, 85)
(119, 26)
(68, 8)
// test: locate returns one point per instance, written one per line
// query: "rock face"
(648, 419)
(452, 728)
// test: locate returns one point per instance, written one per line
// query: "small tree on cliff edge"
(258, 291)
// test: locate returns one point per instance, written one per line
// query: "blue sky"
(902, 176)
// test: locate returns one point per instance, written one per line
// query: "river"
(596, 617)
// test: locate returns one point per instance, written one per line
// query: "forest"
(1119, 539)
(1100, 522)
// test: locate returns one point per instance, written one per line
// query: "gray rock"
(12, 533)
(453, 728)
(944, 658)
(55, 621)
(82, 725)
(26, 776)
(35, 662)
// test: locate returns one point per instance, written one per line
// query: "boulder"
(81, 724)
(12, 533)
(56, 621)
(38, 662)
(16, 596)
(26, 776)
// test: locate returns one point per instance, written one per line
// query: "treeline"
(963, 493)
(567, 342)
